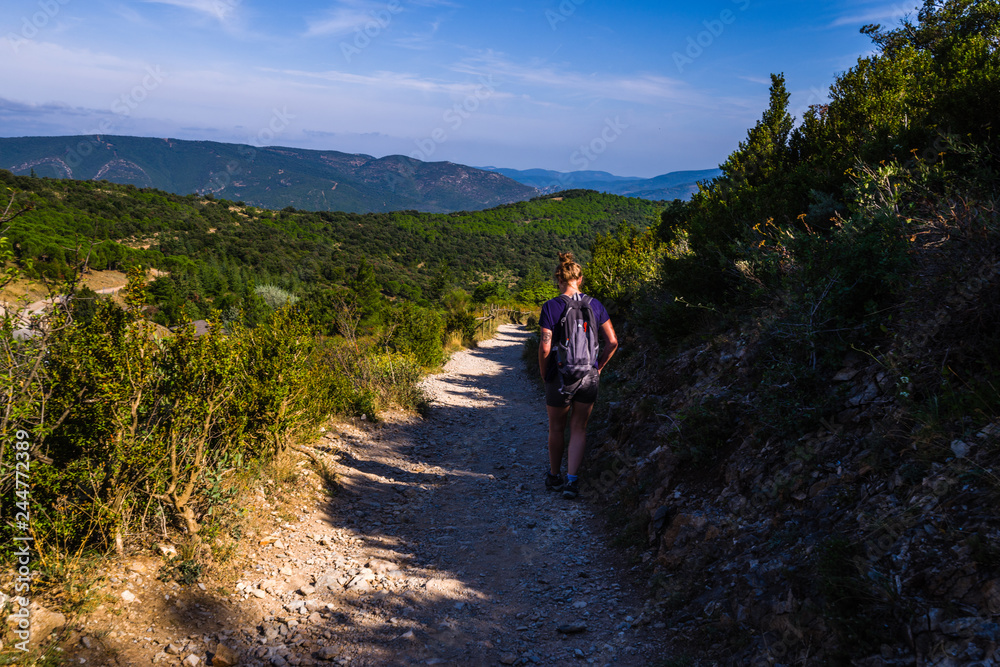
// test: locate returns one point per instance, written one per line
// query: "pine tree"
(764, 153)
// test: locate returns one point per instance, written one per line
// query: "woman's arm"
(544, 349)
(610, 345)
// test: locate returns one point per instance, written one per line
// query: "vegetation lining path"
(440, 547)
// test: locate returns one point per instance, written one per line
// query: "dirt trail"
(441, 547)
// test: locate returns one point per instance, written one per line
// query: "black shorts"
(585, 393)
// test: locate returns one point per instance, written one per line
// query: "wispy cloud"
(388, 81)
(881, 14)
(419, 41)
(633, 88)
(223, 10)
(344, 18)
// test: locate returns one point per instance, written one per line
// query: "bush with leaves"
(490, 291)
(275, 297)
(536, 288)
(419, 332)
(286, 382)
(459, 319)
(132, 422)
(625, 264)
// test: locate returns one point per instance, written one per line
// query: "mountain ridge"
(273, 177)
(672, 185)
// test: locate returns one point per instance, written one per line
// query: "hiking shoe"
(571, 489)
(553, 482)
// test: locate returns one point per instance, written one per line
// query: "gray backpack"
(576, 342)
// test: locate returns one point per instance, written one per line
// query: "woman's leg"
(577, 435)
(557, 432)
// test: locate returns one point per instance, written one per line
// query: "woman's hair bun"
(568, 269)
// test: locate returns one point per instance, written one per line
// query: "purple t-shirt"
(553, 310)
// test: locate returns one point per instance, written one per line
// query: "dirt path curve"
(440, 547)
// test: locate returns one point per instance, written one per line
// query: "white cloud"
(882, 14)
(223, 10)
(349, 15)
(419, 41)
(634, 88)
(393, 82)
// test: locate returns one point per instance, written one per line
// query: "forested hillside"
(309, 315)
(217, 251)
(807, 455)
(267, 176)
(798, 443)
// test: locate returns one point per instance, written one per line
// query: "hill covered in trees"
(808, 454)
(216, 251)
(270, 177)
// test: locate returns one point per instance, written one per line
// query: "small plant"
(184, 572)
(704, 432)
(852, 602)
(275, 297)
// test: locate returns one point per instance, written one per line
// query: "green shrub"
(275, 297)
(703, 432)
(490, 291)
(536, 288)
(367, 381)
(459, 319)
(132, 422)
(624, 265)
(419, 332)
(850, 602)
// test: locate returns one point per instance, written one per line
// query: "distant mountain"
(547, 180)
(272, 177)
(675, 185)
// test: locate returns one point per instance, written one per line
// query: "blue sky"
(633, 88)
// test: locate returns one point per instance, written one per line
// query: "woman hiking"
(570, 398)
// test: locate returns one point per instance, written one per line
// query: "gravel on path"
(440, 546)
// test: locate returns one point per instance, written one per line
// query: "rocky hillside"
(853, 526)
(268, 177)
